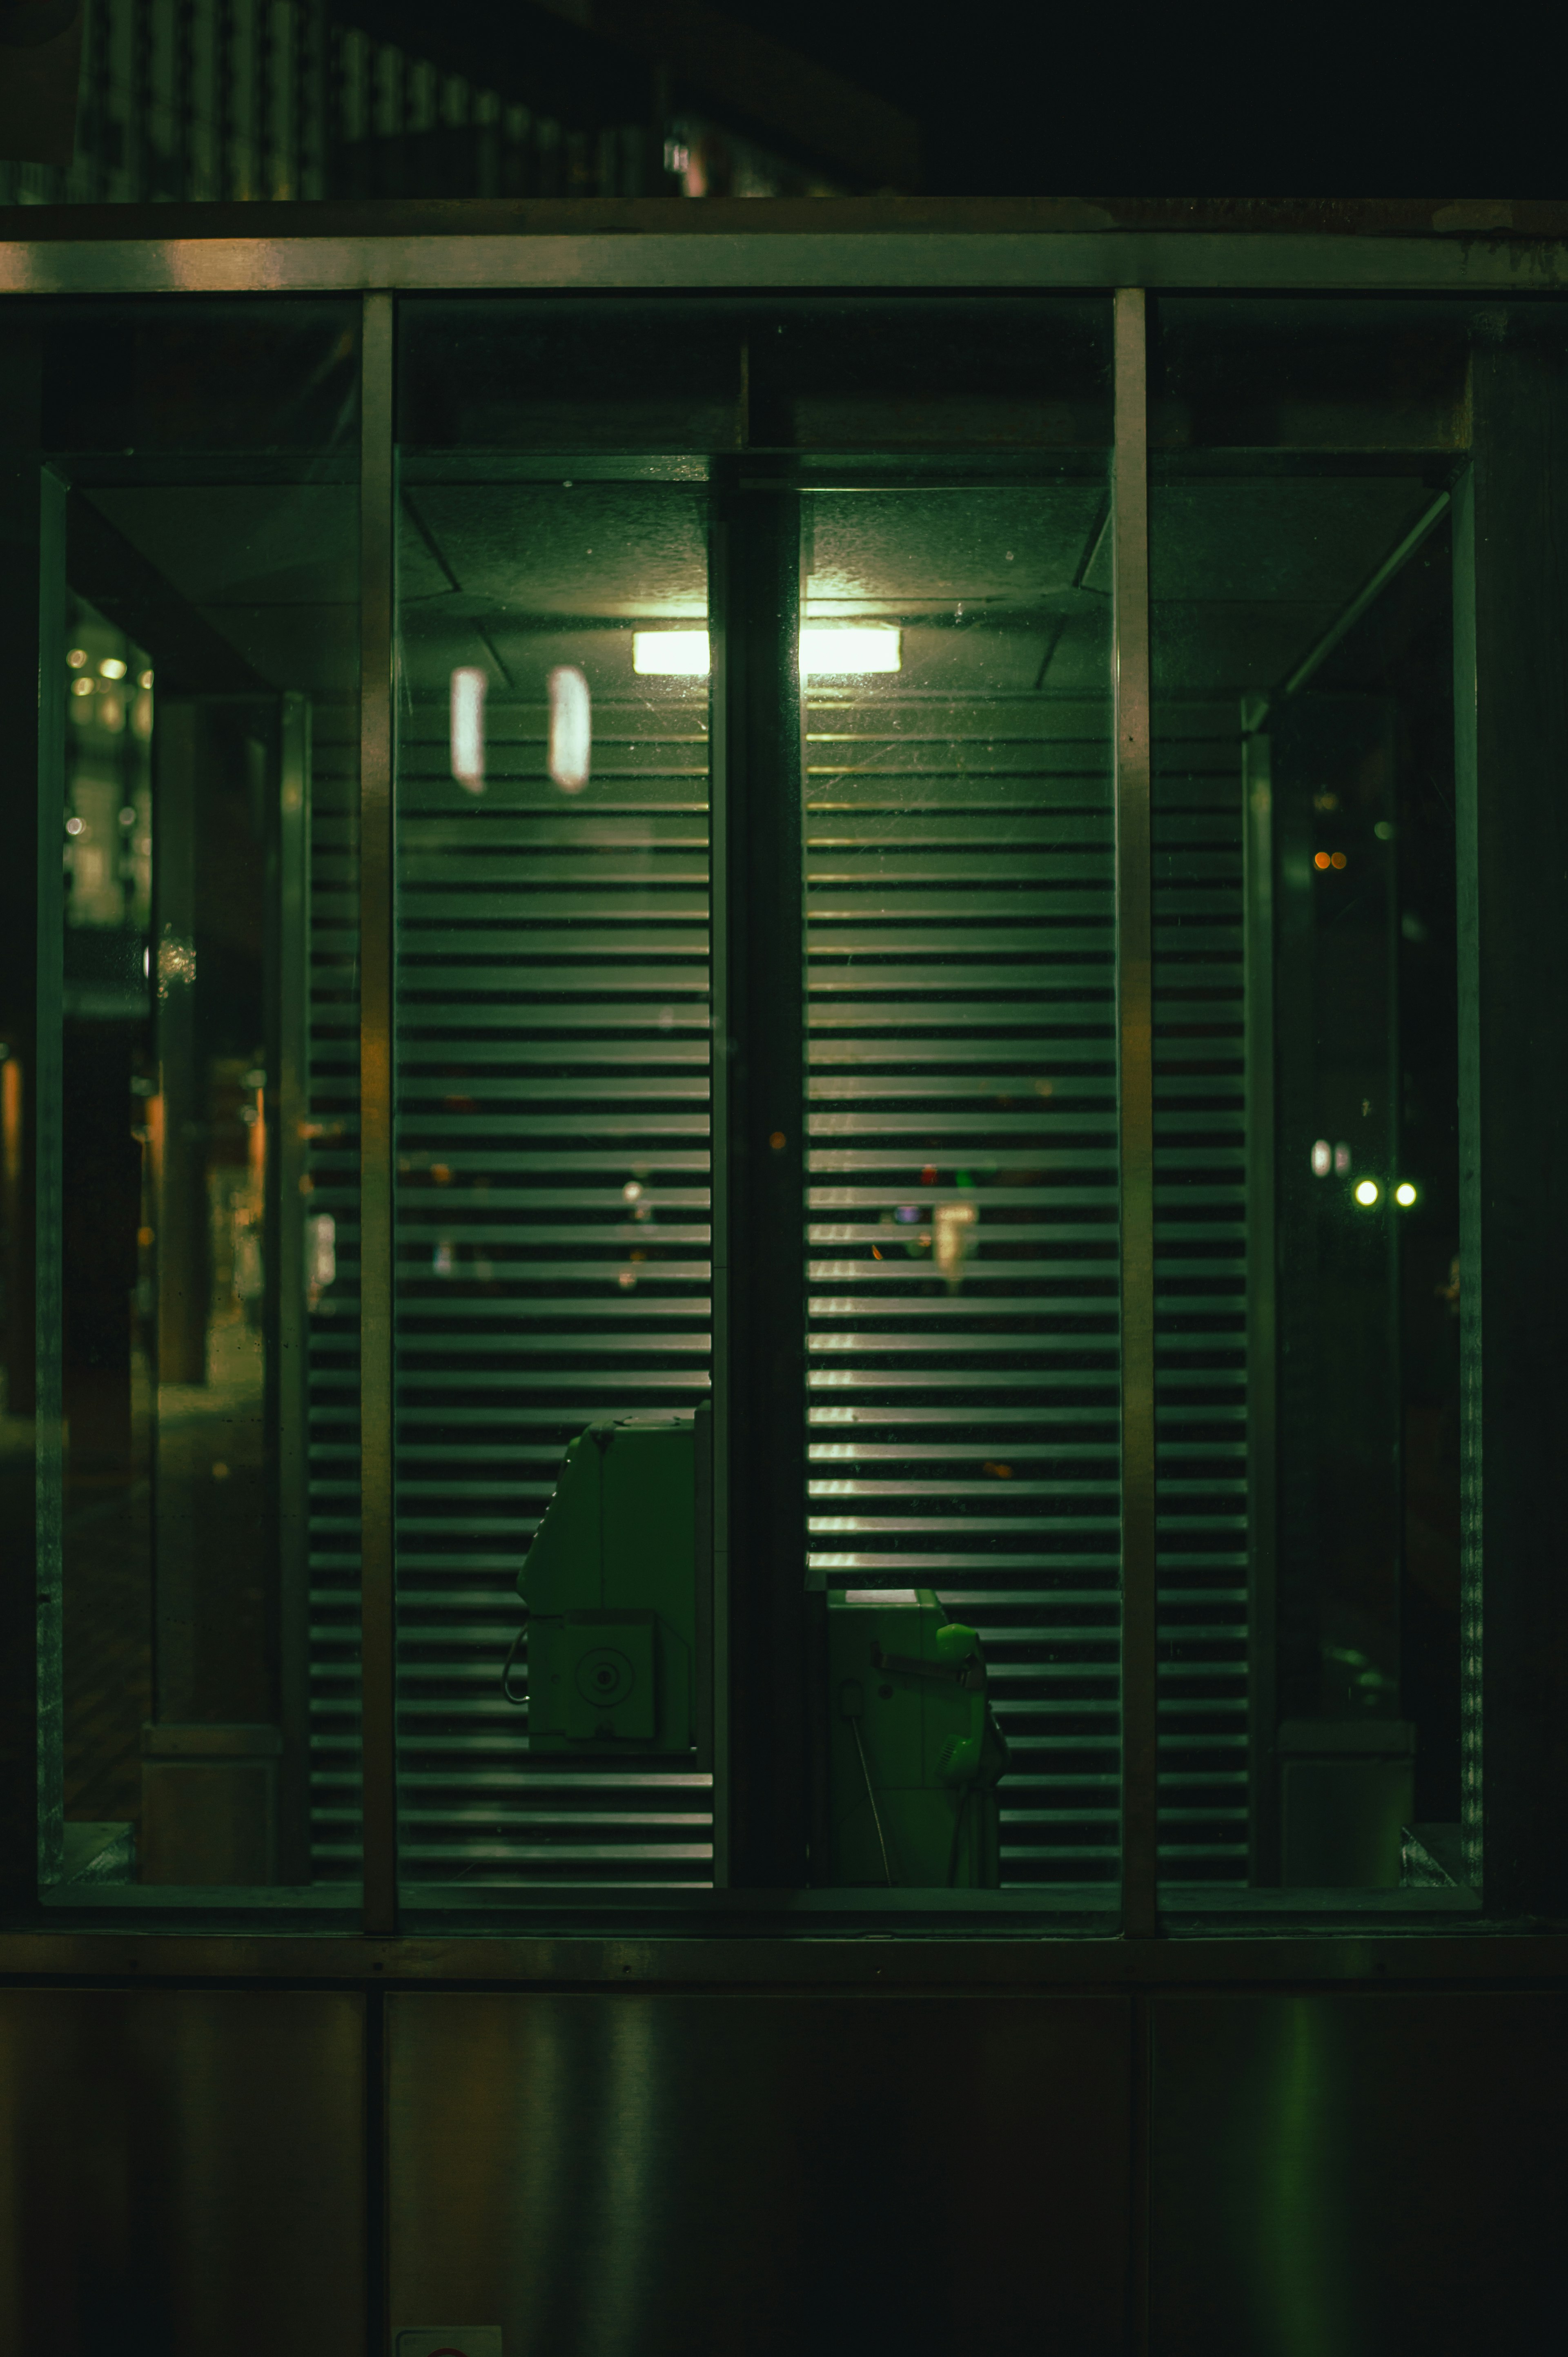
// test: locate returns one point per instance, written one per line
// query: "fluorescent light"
(843, 651)
(825, 651)
(670, 654)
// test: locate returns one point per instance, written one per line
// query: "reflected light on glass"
(570, 729)
(1322, 1158)
(824, 653)
(1404, 1195)
(1367, 1193)
(469, 728)
(112, 667)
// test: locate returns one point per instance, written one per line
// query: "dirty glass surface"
(563, 469)
(1304, 463)
(962, 1208)
(553, 1226)
(195, 1389)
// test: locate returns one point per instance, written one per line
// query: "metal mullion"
(719, 1031)
(378, 1759)
(1135, 1001)
(1261, 1337)
(759, 1155)
(286, 1211)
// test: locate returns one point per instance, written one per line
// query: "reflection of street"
(107, 1670)
(210, 1515)
(108, 1646)
(211, 1533)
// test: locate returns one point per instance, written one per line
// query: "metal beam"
(1372, 588)
(760, 1163)
(377, 1642)
(783, 1953)
(749, 244)
(1135, 1009)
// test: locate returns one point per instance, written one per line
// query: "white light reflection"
(570, 729)
(954, 1226)
(320, 1255)
(469, 728)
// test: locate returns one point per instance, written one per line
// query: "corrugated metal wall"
(965, 1304)
(1200, 1247)
(962, 1239)
(553, 1242)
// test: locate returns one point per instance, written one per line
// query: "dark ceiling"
(1017, 99)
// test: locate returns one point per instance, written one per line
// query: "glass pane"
(553, 1027)
(963, 1238)
(199, 1678)
(1307, 1093)
(552, 1140)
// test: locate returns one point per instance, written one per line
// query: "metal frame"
(1262, 1337)
(577, 247)
(378, 1639)
(868, 246)
(1136, 1095)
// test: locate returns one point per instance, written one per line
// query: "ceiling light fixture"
(825, 652)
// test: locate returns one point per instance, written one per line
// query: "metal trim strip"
(1135, 1006)
(1262, 1337)
(1288, 1958)
(377, 1642)
(726, 261)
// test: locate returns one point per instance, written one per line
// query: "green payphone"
(915, 1754)
(610, 1588)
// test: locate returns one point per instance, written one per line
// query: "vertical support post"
(48, 1123)
(289, 1084)
(1512, 698)
(1466, 858)
(182, 746)
(377, 1638)
(32, 920)
(759, 1157)
(1257, 819)
(714, 1448)
(1134, 998)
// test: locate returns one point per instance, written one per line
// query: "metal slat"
(971, 1013)
(524, 1065)
(1200, 1093)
